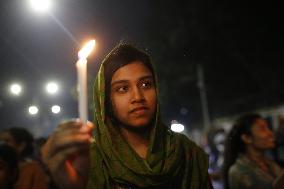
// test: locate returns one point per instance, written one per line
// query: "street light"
(16, 89)
(55, 109)
(177, 127)
(52, 87)
(40, 5)
(33, 110)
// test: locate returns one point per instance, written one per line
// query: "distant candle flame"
(86, 50)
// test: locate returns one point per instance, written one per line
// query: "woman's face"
(133, 95)
(262, 137)
(9, 139)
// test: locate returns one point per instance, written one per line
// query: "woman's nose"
(137, 95)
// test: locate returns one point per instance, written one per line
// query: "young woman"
(132, 148)
(246, 165)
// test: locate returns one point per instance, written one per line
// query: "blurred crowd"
(249, 155)
(20, 161)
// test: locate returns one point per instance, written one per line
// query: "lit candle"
(82, 80)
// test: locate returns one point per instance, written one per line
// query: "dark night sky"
(240, 46)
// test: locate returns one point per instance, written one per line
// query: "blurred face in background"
(219, 141)
(261, 137)
(9, 139)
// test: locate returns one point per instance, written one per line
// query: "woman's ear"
(246, 139)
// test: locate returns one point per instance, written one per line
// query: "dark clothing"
(245, 174)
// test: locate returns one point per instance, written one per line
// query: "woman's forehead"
(131, 71)
(259, 123)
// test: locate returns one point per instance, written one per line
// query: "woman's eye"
(146, 85)
(122, 89)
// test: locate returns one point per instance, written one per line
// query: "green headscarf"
(173, 161)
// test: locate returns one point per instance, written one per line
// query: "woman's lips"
(139, 110)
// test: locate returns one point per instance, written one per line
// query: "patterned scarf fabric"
(172, 161)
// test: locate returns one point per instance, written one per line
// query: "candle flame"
(87, 49)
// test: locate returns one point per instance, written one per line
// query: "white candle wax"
(82, 89)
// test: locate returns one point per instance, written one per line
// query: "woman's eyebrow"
(146, 77)
(119, 82)
(126, 81)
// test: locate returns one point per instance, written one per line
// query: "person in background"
(279, 135)
(246, 165)
(215, 149)
(8, 166)
(31, 175)
(132, 148)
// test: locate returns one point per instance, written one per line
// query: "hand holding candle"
(82, 80)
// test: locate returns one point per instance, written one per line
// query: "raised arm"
(66, 154)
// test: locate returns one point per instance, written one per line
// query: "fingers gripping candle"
(82, 80)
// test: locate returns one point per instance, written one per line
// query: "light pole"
(203, 96)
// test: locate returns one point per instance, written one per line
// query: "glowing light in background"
(177, 127)
(55, 109)
(183, 111)
(33, 110)
(40, 5)
(52, 87)
(16, 89)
